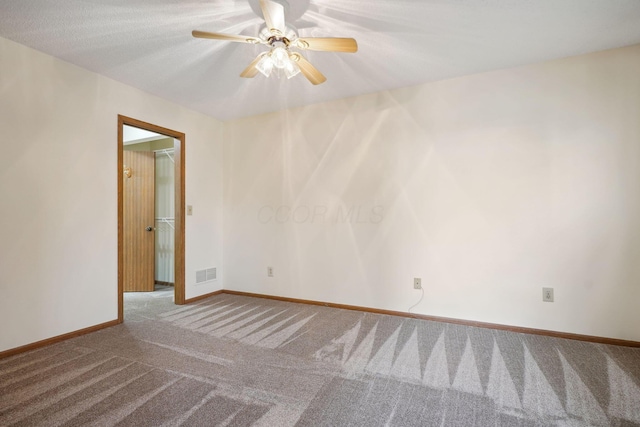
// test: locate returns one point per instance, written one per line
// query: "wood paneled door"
(139, 221)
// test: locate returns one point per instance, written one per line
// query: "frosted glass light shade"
(280, 57)
(265, 65)
(291, 69)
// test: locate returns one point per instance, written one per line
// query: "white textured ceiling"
(148, 44)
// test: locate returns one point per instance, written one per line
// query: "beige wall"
(488, 187)
(58, 228)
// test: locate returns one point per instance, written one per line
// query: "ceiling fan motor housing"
(289, 35)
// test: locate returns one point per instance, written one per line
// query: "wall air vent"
(206, 275)
(201, 276)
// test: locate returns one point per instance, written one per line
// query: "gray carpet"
(239, 361)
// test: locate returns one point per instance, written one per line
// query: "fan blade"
(309, 71)
(227, 37)
(251, 70)
(331, 44)
(274, 16)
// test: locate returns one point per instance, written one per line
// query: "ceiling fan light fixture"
(278, 59)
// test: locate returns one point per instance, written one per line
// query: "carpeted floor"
(239, 361)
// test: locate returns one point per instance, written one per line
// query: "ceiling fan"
(280, 38)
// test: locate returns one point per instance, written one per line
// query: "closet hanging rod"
(167, 151)
(167, 221)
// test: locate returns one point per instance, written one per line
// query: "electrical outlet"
(417, 283)
(270, 271)
(547, 294)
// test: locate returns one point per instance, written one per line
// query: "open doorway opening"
(150, 210)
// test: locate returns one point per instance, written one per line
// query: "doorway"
(140, 230)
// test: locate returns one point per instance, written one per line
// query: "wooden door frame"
(179, 201)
